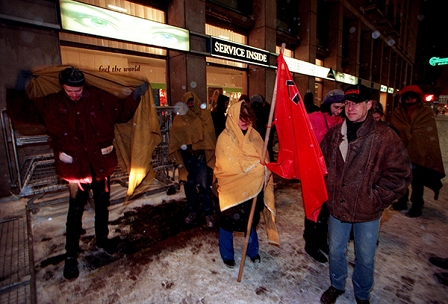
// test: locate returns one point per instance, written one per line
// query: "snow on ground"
(163, 260)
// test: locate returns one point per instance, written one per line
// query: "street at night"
(163, 260)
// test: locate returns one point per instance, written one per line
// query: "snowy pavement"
(163, 260)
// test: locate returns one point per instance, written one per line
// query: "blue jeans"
(365, 241)
(226, 244)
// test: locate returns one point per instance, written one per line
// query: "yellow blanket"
(135, 140)
(239, 172)
(195, 128)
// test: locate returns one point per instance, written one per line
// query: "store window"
(140, 67)
(102, 54)
(225, 76)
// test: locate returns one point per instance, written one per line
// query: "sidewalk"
(163, 260)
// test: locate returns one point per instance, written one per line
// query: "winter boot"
(71, 268)
(330, 295)
(439, 262)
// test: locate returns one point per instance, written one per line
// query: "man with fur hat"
(418, 130)
(80, 120)
(368, 168)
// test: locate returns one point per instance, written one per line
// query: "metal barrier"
(35, 174)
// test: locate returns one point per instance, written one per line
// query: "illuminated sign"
(346, 78)
(239, 52)
(438, 61)
(306, 68)
(89, 19)
(383, 88)
(390, 90)
(429, 97)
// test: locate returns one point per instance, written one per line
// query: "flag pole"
(254, 201)
(271, 114)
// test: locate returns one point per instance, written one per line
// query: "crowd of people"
(370, 165)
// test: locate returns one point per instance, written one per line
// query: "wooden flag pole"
(246, 242)
(254, 201)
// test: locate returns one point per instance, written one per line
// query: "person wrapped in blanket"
(80, 120)
(417, 127)
(192, 145)
(241, 177)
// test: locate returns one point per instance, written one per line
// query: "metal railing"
(35, 173)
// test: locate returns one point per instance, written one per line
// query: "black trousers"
(315, 233)
(417, 186)
(101, 197)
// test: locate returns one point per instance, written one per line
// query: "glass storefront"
(225, 76)
(227, 81)
(113, 56)
(140, 67)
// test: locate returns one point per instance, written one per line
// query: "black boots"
(414, 212)
(229, 263)
(439, 262)
(107, 245)
(400, 205)
(330, 295)
(71, 268)
(315, 235)
(315, 253)
(442, 277)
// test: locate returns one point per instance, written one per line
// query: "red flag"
(299, 153)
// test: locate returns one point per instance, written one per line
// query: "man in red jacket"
(80, 121)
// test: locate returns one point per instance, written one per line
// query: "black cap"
(72, 77)
(357, 93)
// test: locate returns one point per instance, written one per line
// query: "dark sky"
(434, 28)
(432, 42)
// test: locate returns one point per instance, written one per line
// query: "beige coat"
(239, 172)
(194, 129)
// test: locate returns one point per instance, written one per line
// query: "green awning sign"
(438, 61)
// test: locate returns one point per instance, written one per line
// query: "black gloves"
(140, 90)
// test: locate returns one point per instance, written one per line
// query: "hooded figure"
(308, 100)
(241, 177)
(192, 145)
(418, 129)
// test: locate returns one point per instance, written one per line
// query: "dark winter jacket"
(376, 171)
(418, 130)
(82, 129)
